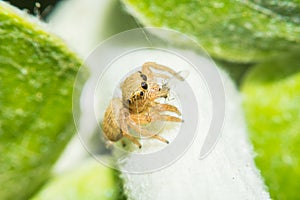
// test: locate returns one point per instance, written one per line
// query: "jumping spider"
(138, 105)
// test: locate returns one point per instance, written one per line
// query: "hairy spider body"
(138, 106)
(111, 123)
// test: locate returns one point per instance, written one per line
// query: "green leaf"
(36, 79)
(234, 30)
(91, 180)
(289, 10)
(272, 105)
(116, 20)
(235, 70)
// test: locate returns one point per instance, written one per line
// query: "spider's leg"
(131, 138)
(146, 69)
(141, 118)
(124, 128)
(145, 132)
(154, 115)
(168, 118)
(159, 107)
(158, 75)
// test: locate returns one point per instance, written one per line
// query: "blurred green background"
(256, 42)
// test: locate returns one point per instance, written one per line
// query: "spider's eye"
(141, 93)
(144, 85)
(144, 77)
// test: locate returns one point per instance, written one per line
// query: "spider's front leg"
(146, 70)
(137, 127)
(154, 114)
(124, 127)
(169, 118)
(159, 107)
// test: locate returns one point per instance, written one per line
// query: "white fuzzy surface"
(79, 23)
(227, 173)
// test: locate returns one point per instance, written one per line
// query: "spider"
(138, 105)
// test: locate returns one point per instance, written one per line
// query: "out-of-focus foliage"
(36, 79)
(240, 31)
(272, 105)
(89, 181)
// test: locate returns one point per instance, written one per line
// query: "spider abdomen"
(111, 125)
